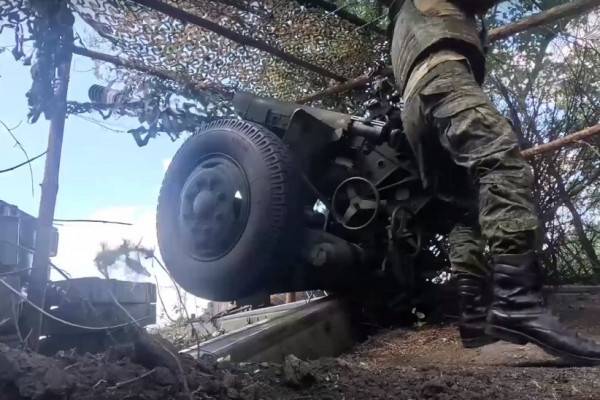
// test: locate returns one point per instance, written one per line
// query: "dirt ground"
(431, 364)
(400, 364)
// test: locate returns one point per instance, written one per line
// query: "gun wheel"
(229, 208)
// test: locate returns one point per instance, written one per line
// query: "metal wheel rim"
(214, 207)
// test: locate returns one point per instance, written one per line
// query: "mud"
(400, 364)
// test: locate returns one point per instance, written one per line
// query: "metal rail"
(321, 328)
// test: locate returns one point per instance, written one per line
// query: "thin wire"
(123, 308)
(342, 7)
(382, 16)
(10, 132)
(65, 322)
(160, 297)
(94, 221)
(64, 274)
(100, 124)
(181, 302)
(16, 272)
(29, 161)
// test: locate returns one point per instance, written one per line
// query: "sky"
(103, 173)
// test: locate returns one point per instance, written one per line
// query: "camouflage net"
(204, 58)
(151, 37)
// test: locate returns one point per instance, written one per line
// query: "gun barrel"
(276, 114)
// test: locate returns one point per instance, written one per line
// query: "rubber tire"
(274, 213)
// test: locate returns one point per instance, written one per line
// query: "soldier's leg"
(466, 247)
(480, 139)
(466, 244)
(470, 270)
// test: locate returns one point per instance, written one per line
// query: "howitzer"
(291, 198)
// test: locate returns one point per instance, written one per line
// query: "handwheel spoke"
(367, 205)
(350, 212)
(351, 192)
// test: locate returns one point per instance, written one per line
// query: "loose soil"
(400, 364)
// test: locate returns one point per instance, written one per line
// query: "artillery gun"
(288, 198)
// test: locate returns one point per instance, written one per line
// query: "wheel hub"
(214, 207)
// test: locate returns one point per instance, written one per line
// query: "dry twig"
(132, 380)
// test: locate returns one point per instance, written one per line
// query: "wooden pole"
(552, 15)
(352, 84)
(562, 142)
(41, 257)
(244, 40)
(546, 17)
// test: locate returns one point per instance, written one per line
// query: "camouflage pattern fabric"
(423, 27)
(449, 106)
(467, 250)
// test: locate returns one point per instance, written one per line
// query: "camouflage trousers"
(448, 106)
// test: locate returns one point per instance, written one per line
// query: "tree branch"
(547, 17)
(562, 142)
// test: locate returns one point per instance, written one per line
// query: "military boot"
(518, 313)
(473, 309)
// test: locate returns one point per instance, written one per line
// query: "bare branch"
(562, 142)
(547, 17)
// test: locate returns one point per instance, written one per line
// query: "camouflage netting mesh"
(145, 35)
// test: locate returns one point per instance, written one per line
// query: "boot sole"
(520, 338)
